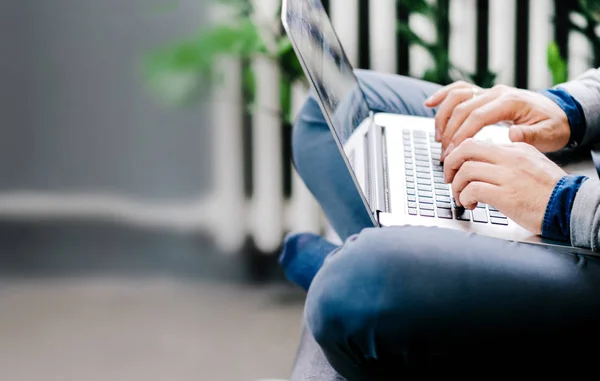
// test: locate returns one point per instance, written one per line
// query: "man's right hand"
(464, 109)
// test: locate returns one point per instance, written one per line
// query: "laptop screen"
(327, 66)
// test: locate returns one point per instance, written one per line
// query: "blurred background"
(145, 175)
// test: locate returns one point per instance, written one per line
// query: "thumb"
(536, 135)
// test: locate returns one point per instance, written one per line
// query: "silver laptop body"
(393, 159)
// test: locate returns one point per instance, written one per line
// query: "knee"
(353, 293)
(380, 280)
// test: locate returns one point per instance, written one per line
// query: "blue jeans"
(405, 299)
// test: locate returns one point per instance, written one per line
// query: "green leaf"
(557, 65)
(419, 6)
(195, 59)
(411, 37)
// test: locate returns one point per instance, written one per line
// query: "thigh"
(319, 161)
(397, 297)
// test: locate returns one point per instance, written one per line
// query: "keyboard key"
(443, 205)
(444, 193)
(422, 152)
(409, 167)
(423, 176)
(481, 206)
(439, 175)
(411, 198)
(499, 221)
(492, 208)
(423, 170)
(411, 192)
(496, 214)
(426, 188)
(427, 213)
(408, 160)
(443, 199)
(442, 187)
(410, 179)
(412, 212)
(463, 215)
(412, 205)
(407, 154)
(480, 215)
(444, 213)
(419, 134)
(424, 181)
(410, 185)
(425, 194)
(422, 157)
(426, 207)
(409, 173)
(425, 200)
(423, 163)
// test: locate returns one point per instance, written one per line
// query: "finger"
(541, 135)
(447, 107)
(471, 150)
(440, 95)
(460, 114)
(480, 192)
(472, 171)
(490, 113)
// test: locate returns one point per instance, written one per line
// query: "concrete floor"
(196, 320)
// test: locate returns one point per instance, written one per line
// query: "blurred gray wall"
(74, 113)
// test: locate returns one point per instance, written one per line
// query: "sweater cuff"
(557, 219)
(574, 112)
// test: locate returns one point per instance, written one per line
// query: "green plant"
(179, 71)
(443, 72)
(588, 12)
(557, 64)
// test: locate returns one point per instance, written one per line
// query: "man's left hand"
(515, 178)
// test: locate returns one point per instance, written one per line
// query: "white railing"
(226, 212)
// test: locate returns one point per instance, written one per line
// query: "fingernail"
(449, 150)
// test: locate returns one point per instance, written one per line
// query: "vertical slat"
(229, 202)
(344, 16)
(419, 59)
(502, 39)
(580, 49)
(266, 222)
(541, 34)
(303, 213)
(402, 46)
(383, 35)
(463, 36)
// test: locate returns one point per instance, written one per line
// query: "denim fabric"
(557, 219)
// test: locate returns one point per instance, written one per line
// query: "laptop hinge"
(376, 165)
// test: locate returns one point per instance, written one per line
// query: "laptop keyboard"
(427, 194)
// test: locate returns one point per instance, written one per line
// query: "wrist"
(574, 113)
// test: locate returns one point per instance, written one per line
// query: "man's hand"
(465, 109)
(516, 179)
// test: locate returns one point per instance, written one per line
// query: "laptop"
(393, 159)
